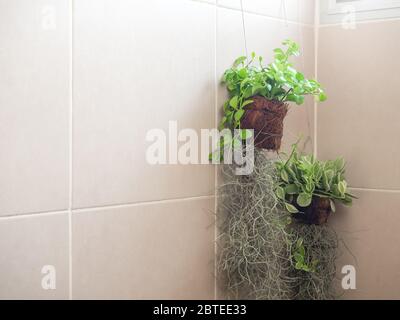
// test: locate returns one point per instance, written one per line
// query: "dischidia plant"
(308, 187)
(258, 94)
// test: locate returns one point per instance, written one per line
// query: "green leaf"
(347, 200)
(298, 258)
(239, 114)
(299, 99)
(339, 163)
(247, 102)
(322, 97)
(304, 199)
(284, 175)
(342, 186)
(299, 265)
(234, 102)
(246, 133)
(328, 175)
(242, 73)
(300, 247)
(226, 105)
(291, 208)
(239, 60)
(280, 193)
(299, 76)
(291, 189)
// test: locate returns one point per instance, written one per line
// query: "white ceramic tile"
(292, 10)
(34, 78)
(27, 244)
(126, 82)
(155, 251)
(359, 121)
(230, 45)
(369, 241)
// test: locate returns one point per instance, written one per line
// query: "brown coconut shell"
(317, 212)
(266, 118)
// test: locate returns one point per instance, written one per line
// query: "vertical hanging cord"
(308, 137)
(283, 5)
(244, 29)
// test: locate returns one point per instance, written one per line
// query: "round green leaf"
(304, 199)
(291, 189)
(284, 175)
(322, 97)
(280, 193)
(291, 208)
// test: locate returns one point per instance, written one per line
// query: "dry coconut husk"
(317, 212)
(266, 118)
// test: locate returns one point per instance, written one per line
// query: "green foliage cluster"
(303, 176)
(276, 81)
(300, 258)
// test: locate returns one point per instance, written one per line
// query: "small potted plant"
(259, 95)
(308, 188)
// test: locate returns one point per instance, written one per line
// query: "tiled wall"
(360, 70)
(80, 84)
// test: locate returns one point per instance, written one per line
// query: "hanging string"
(283, 6)
(308, 137)
(300, 34)
(244, 29)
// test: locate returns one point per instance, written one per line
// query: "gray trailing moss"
(256, 241)
(321, 244)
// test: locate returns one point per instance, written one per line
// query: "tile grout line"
(137, 204)
(33, 214)
(215, 168)
(141, 203)
(70, 191)
(111, 206)
(222, 6)
(302, 24)
(374, 189)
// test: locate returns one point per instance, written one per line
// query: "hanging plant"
(309, 188)
(263, 251)
(259, 95)
(273, 241)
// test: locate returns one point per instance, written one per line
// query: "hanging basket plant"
(309, 188)
(273, 241)
(265, 250)
(259, 94)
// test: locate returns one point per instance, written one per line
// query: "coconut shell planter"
(274, 239)
(317, 213)
(266, 118)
